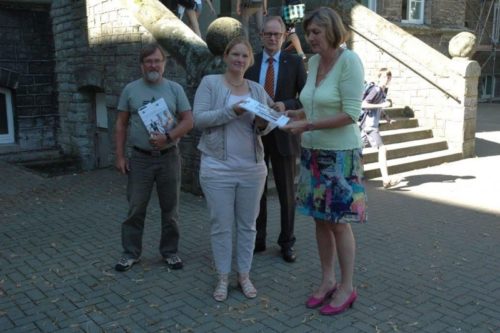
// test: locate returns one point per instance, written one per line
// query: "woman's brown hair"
(325, 17)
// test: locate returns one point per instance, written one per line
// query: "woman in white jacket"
(232, 170)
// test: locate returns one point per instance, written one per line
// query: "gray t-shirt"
(138, 93)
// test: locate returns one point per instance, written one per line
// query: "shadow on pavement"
(411, 181)
(486, 148)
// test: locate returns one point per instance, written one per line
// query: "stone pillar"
(462, 121)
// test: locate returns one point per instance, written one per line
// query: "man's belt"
(154, 153)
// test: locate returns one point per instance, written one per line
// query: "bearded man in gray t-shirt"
(154, 157)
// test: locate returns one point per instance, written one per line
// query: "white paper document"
(157, 117)
(264, 112)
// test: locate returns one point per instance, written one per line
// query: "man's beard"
(153, 76)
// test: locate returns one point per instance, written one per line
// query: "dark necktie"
(269, 83)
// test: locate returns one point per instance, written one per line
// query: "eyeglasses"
(272, 34)
(153, 62)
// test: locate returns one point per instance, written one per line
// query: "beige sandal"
(247, 286)
(220, 292)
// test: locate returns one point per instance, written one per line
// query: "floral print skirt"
(331, 185)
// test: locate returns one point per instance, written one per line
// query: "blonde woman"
(232, 169)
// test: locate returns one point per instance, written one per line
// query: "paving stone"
(422, 264)
(5, 322)
(30, 327)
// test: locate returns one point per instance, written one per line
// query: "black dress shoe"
(288, 254)
(259, 248)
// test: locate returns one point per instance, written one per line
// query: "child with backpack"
(374, 102)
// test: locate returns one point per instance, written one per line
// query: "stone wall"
(414, 66)
(97, 44)
(26, 52)
(444, 13)
(97, 49)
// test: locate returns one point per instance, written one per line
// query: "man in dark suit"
(283, 75)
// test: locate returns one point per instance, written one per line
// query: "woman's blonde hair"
(325, 17)
(240, 40)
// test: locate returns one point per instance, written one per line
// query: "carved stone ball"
(462, 45)
(220, 32)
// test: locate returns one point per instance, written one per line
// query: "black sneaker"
(173, 261)
(124, 264)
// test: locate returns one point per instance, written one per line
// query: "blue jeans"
(144, 171)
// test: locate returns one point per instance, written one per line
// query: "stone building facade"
(90, 51)
(443, 19)
(97, 46)
(29, 115)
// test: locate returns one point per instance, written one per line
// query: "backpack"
(368, 87)
(378, 98)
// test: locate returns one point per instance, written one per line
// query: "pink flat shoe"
(313, 302)
(329, 310)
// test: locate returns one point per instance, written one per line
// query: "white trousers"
(232, 201)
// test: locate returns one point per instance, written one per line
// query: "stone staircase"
(409, 146)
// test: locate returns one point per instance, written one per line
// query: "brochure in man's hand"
(157, 117)
(264, 112)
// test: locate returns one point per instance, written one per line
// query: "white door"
(6, 117)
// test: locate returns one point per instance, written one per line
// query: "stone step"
(403, 149)
(12, 153)
(396, 165)
(52, 167)
(399, 112)
(408, 163)
(408, 146)
(398, 123)
(44, 162)
(405, 134)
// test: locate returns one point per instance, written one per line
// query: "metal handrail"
(455, 98)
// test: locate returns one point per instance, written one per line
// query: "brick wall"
(443, 13)
(97, 46)
(446, 13)
(26, 49)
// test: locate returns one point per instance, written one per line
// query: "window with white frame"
(6, 117)
(413, 11)
(371, 4)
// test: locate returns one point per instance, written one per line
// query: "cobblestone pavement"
(424, 264)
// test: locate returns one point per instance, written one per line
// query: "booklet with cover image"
(157, 117)
(264, 112)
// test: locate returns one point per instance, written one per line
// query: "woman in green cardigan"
(331, 186)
